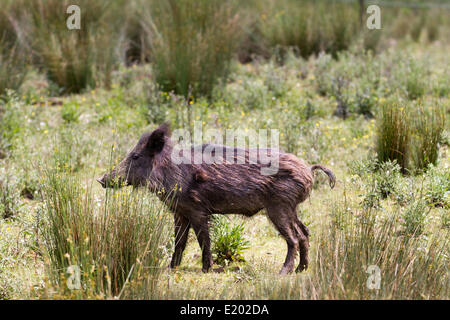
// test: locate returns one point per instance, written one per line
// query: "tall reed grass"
(13, 68)
(428, 128)
(353, 250)
(393, 134)
(309, 26)
(74, 59)
(410, 134)
(113, 240)
(408, 267)
(191, 43)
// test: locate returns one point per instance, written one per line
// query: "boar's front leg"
(200, 225)
(182, 226)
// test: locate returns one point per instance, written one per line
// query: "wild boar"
(220, 187)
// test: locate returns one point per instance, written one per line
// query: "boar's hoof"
(285, 271)
(207, 266)
(301, 267)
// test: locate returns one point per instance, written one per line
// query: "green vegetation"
(191, 43)
(114, 241)
(393, 138)
(228, 241)
(371, 106)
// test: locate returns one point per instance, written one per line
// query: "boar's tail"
(329, 173)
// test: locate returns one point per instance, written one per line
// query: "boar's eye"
(135, 156)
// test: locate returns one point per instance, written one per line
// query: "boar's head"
(142, 165)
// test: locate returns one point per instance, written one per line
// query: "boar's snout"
(111, 181)
(102, 180)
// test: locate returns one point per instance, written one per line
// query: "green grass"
(427, 134)
(58, 149)
(113, 241)
(191, 43)
(393, 134)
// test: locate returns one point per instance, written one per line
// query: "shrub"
(437, 187)
(410, 76)
(191, 43)
(380, 180)
(228, 242)
(365, 104)
(393, 135)
(415, 81)
(339, 92)
(387, 175)
(70, 112)
(321, 73)
(414, 217)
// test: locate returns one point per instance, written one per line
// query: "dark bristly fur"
(220, 188)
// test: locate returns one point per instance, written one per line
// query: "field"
(375, 111)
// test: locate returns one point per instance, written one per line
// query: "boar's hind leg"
(200, 224)
(302, 233)
(182, 226)
(281, 218)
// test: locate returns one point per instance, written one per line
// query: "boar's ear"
(156, 140)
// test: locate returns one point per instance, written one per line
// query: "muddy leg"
(303, 239)
(201, 228)
(182, 226)
(281, 219)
